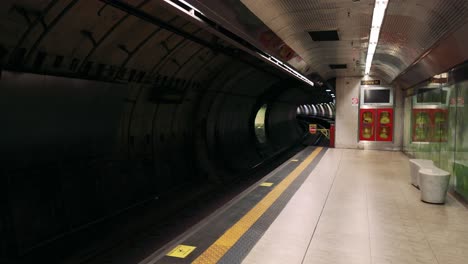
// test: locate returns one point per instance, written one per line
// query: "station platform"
(328, 206)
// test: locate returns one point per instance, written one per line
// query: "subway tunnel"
(105, 109)
(120, 114)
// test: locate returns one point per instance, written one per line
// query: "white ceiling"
(410, 28)
(291, 20)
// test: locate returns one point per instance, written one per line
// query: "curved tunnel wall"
(77, 150)
(320, 110)
(81, 148)
(103, 110)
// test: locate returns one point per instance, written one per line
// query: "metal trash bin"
(415, 166)
(433, 184)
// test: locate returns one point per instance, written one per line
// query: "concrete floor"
(358, 207)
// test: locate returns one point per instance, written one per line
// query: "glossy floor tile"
(357, 206)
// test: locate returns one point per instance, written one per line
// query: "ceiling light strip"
(185, 7)
(286, 68)
(191, 11)
(377, 19)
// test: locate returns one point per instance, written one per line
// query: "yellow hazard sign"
(181, 251)
(266, 184)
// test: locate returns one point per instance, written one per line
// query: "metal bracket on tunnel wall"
(313, 130)
(324, 132)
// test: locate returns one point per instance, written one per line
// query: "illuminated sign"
(370, 82)
(312, 128)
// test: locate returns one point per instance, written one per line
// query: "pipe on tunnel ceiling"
(156, 21)
(47, 29)
(39, 19)
(230, 52)
(218, 29)
(97, 43)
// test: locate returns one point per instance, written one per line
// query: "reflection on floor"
(358, 207)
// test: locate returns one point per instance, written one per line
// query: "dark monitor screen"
(376, 96)
(428, 95)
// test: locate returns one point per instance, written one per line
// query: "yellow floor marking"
(266, 184)
(181, 251)
(217, 250)
(295, 160)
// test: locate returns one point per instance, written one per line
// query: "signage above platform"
(312, 128)
(370, 82)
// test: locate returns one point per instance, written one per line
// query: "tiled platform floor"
(358, 207)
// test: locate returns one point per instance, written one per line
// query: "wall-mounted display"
(376, 114)
(431, 98)
(376, 96)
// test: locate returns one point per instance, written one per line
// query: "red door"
(367, 124)
(384, 125)
(439, 125)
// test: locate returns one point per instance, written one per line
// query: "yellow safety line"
(217, 250)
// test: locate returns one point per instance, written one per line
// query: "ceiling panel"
(291, 20)
(410, 28)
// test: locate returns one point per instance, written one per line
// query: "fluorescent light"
(190, 12)
(286, 68)
(372, 47)
(174, 3)
(367, 70)
(374, 35)
(379, 12)
(328, 90)
(377, 19)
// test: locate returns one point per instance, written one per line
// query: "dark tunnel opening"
(95, 122)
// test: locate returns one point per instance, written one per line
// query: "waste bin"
(433, 184)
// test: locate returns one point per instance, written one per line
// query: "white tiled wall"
(347, 115)
(346, 123)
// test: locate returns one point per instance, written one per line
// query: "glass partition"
(460, 134)
(436, 124)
